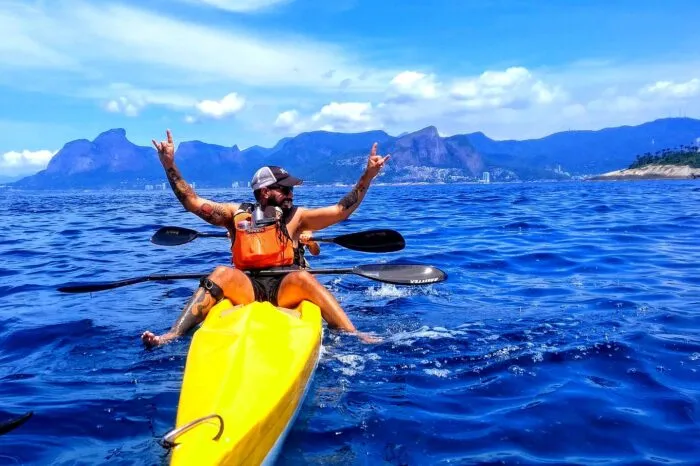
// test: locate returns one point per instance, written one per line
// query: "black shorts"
(266, 288)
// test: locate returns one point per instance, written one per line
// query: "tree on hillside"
(684, 155)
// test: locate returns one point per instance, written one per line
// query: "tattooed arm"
(317, 219)
(192, 315)
(212, 212)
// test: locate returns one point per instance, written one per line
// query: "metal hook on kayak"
(169, 438)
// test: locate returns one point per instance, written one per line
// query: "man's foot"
(151, 340)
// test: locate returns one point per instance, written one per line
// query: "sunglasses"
(282, 189)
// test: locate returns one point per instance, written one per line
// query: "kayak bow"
(247, 373)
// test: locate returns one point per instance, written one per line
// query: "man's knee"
(221, 273)
(234, 283)
(302, 277)
(218, 280)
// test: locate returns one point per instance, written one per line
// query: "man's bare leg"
(236, 287)
(301, 285)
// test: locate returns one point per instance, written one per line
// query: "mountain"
(4, 179)
(591, 152)
(111, 160)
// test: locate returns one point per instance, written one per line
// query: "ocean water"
(568, 331)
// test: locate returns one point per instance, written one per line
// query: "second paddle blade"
(402, 274)
(173, 236)
(372, 241)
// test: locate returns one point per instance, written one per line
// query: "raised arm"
(317, 219)
(213, 212)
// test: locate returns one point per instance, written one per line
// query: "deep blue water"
(568, 331)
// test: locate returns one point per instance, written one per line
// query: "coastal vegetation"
(683, 155)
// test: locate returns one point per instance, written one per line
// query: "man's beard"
(286, 205)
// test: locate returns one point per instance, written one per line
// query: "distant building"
(486, 178)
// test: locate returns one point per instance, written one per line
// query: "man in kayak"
(273, 189)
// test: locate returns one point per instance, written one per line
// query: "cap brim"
(289, 181)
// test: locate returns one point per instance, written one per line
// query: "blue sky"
(250, 72)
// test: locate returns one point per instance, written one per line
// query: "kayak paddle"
(175, 236)
(398, 274)
(366, 241)
(12, 424)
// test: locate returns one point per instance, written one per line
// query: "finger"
(374, 150)
(155, 144)
(170, 136)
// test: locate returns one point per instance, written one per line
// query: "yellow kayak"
(246, 376)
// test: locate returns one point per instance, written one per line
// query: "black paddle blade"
(173, 236)
(12, 424)
(101, 286)
(401, 274)
(372, 241)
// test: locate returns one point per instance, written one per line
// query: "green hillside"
(684, 155)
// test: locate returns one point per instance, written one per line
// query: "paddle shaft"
(376, 241)
(387, 273)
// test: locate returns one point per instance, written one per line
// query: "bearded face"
(281, 196)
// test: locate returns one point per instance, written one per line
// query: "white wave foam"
(351, 364)
(442, 373)
(386, 290)
(472, 324)
(503, 353)
(424, 333)
(517, 370)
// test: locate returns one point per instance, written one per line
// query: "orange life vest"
(260, 247)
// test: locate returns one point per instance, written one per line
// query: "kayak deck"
(248, 369)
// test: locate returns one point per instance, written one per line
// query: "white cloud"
(125, 94)
(129, 100)
(89, 40)
(217, 109)
(672, 89)
(26, 162)
(346, 117)
(336, 116)
(240, 6)
(515, 87)
(512, 103)
(123, 105)
(287, 120)
(413, 85)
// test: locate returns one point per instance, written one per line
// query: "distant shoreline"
(651, 172)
